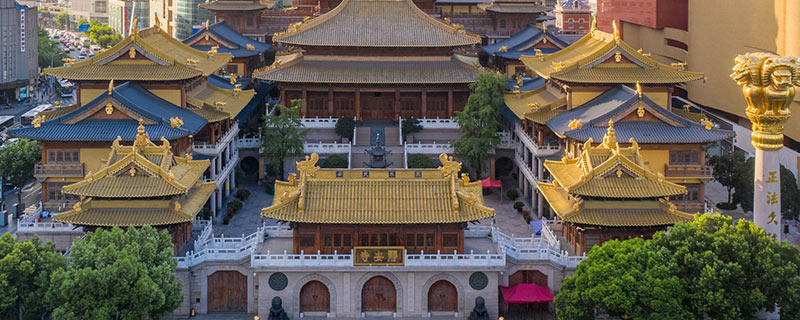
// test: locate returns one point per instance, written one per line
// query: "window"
(54, 192)
(502, 24)
(684, 157)
(692, 194)
(420, 241)
(249, 21)
(580, 23)
(63, 156)
(340, 242)
(571, 23)
(307, 240)
(450, 240)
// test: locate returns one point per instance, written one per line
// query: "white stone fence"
(548, 235)
(438, 123)
(211, 248)
(528, 249)
(319, 122)
(326, 147)
(346, 260)
(42, 227)
(428, 148)
(249, 143)
(216, 147)
(31, 213)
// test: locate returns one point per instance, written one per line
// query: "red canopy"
(526, 293)
(491, 183)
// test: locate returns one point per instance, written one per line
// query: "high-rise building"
(162, 10)
(19, 52)
(187, 16)
(122, 12)
(89, 10)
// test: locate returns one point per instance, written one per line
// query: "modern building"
(122, 13)
(89, 10)
(19, 54)
(188, 17)
(162, 10)
(248, 54)
(573, 16)
(589, 83)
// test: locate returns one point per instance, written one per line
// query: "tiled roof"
(156, 113)
(235, 5)
(515, 55)
(593, 59)
(354, 196)
(232, 42)
(524, 40)
(207, 96)
(615, 104)
(225, 83)
(537, 105)
(633, 213)
(528, 84)
(342, 69)
(515, 7)
(167, 60)
(574, 4)
(376, 23)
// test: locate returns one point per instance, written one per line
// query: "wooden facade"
(583, 237)
(416, 238)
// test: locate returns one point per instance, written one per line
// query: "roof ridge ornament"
(610, 139)
(142, 138)
(616, 31)
(308, 167)
(111, 84)
(639, 90)
(449, 166)
(135, 26)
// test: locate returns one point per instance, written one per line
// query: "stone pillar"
(219, 164)
(218, 194)
(396, 104)
(450, 103)
(358, 105)
(213, 168)
(767, 82)
(330, 102)
(540, 200)
(213, 205)
(424, 98)
(491, 169)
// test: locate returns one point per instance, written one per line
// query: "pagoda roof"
(621, 105)
(206, 97)
(229, 41)
(87, 122)
(574, 4)
(516, 7)
(164, 59)
(600, 57)
(234, 5)
(378, 196)
(525, 40)
(143, 170)
(538, 105)
(376, 23)
(372, 70)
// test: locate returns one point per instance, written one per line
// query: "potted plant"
(518, 206)
(512, 194)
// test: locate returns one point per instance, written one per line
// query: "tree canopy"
(345, 126)
(410, 125)
(703, 268)
(25, 269)
(102, 34)
(730, 171)
(50, 54)
(417, 160)
(63, 20)
(480, 120)
(17, 160)
(283, 136)
(334, 161)
(118, 275)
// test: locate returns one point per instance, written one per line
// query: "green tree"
(334, 161)
(63, 20)
(743, 191)
(410, 125)
(282, 136)
(17, 160)
(25, 269)
(83, 21)
(102, 34)
(118, 275)
(730, 171)
(417, 160)
(790, 194)
(723, 272)
(50, 54)
(480, 120)
(345, 126)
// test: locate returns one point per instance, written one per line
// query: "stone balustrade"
(329, 123)
(326, 147)
(438, 123)
(218, 146)
(428, 148)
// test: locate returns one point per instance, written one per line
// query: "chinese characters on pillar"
(773, 205)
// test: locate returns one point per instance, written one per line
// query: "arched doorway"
(315, 297)
(378, 294)
(443, 296)
(227, 292)
(503, 167)
(250, 166)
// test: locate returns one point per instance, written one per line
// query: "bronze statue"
(277, 312)
(479, 312)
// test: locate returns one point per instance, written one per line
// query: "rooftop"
(228, 41)
(234, 5)
(525, 40)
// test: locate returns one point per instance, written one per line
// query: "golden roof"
(539, 105)
(378, 196)
(611, 213)
(207, 97)
(600, 57)
(167, 59)
(376, 23)
(134, 213)
(609, 171)
(143, 170)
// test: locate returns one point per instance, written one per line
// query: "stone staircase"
(392, 136)
(363, 136)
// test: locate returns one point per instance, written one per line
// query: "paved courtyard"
(247, 220)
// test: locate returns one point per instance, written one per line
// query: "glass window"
(450, 240)
(571, 23)
(307, 240)
(502, 23)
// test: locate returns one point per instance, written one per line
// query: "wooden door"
(378, 294)
(314, 297)
(227, 292)
(442, 296)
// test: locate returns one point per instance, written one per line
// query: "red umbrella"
(491, 183)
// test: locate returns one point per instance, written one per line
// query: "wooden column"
(396, 103)
(358, 104)
(283, 97)
(330, 102)
(424, 95)
(449, 102)
(305, 99)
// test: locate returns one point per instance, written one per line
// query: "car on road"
(66, 49)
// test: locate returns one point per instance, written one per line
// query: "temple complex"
(590, 83)
(494, 20)
(351, 62)
(248, 54)
(608, 192)
(162, 82)
(141, 184)
(504, 55)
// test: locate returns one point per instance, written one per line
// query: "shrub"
(345, 127)
(512, 194)
(420, 161)
(726, 206)
(242, 194)
(411, 125)
(334, 161)
(235, 204)
(518, 206)
(206, 213)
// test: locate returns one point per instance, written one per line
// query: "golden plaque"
(378, 256)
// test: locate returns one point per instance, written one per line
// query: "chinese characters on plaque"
(378, 256)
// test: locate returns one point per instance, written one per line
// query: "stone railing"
(278, 231)
(222, 249)
(477, 231)
(31, 213)
(44, 170)
(346, 260)
(205, 236)
(687, 171)
(43, 227)
(548, 235)
(438, 123)
(506, 142)
(249, 143)
(428, 148)
(532, 249)
(543, 150)
(319, 122)
(326, 147)
(523, 167)
(219, 145)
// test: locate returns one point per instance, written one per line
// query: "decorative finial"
(639, 89)
(234, 77)
(111, 86)
(37, 120)
(157, 23)
(132, 172)
(448, 167)
(207, 24)
(132, 52)
(308, 166)
(175, 122)
(109, 109)
(135, 26)
(594, 23)
(610, 139)
(142, 138)
(250, 47)
(616, 31)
